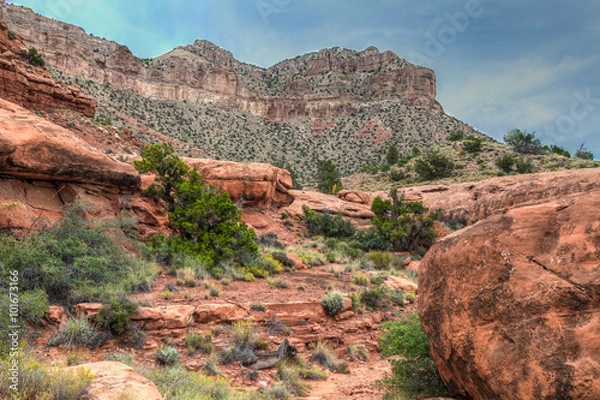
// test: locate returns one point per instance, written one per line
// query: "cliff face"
(33, 87)
(328, 83)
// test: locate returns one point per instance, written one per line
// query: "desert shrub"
(524, 166)
(78, 332)
(74, 261)
(381, 259)
(261, 307)
(333, 303)
(124, 358)
(277, 283)
(325, 356)
(328, 177)
(473, 144)
(392, 155)
(327, 225)
(291, 378)
(523, 142)
(360, 279)
(554, 149)
(69, 384)
(397, 173)
(167, 356)
(415, 372)
(310, 258)
(506, 163)
(244, 334)
(34, 57)
(205, 218)
(358, 352)
(400, 225)
(276, 327)
(281, 256)
(374, 298)
(197, 342)
(269, 239)
(433, 165)
(11, 35)
(583, 153)
(456, 136)
(115, 315)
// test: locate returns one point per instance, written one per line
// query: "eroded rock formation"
(203, 72)
(511, 305)
(33, 87)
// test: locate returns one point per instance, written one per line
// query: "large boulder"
(511, 305)
(474, 201)
(34, 148)
(115, 381)
(255, 185)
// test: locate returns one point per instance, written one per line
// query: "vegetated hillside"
(341, 104)
(351, 141)
(469, 162)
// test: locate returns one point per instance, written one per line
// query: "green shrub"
(195, 341)
(327, 225)
(333, 303)
(414, 373)
(167, 356)
(176, 383)
(523, 142)
(77, 332)
(506, 163)
(392, 155)
(358, 352)
(281, 256)
(244, 334)
(381, 259)
(206, 219)
(11, 35)
(557, 150)
(375, 298)
(400, 225)
(433, 165)
(116, 315)
(277, 283)
(583, 153)
(34, 57)
(328, 177)
(473, 144)
(325, 356)
(524, 166)
(360, 279)
(291, 378)
(69, 384)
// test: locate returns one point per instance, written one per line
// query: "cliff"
(328, 83)
(33, 87)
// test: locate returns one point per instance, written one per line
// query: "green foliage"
(11, 35)
(433, 165)
(381, 259)
(524, 166)
(392, 155)
(325, 356)
(506, 163)
(77, 332)
(473, 144)
(116, 314)
(37, 382)
(103, 121)
(333, 303)
(328, 177)
(456, 136)
(415, 373)
(327, 225)
(167, 356)
(74, 261)
(557, 150)
(207, 221)
(291, 377)
(402, 225)
(583, 153)
(195, 341)
(34, 57)
(523, 142)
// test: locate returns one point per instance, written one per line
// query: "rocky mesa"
(328, 83)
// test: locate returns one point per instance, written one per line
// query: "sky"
(501, 65)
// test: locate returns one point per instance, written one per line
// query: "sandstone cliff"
(33, 87)
(327, 83)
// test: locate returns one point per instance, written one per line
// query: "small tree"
(328, 177)
(34, 58)
(11, 35)
(433, 165)
(392, 155)
(473, 144)
(583, 153)
(523, 142)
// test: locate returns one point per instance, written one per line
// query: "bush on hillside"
(433, 165)
(523, 142)
(34, 57)
(415, 373)
(328, 177)
(473, 144)
(327, 225)
(206, 219)
(583, 153)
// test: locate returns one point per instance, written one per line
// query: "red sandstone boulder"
(511, 305)
(115, 381)
(255, 185)
(355, 196)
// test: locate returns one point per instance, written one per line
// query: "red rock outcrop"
(203, 72)
(33, 87)
(511, 305)
(255, 185)
(114, 381)
(474, 201)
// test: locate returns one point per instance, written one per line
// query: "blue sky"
(532, 65)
